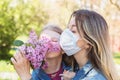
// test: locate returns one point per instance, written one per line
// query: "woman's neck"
(53, 65)
(81, 58)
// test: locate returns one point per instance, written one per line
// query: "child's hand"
(67, 75)
(21, 65)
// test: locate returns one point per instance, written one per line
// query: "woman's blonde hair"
(95, 30)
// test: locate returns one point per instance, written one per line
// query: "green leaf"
(14, 49)
(18, 43)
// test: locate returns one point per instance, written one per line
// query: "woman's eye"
(73, 31)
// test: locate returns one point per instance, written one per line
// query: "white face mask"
(68, 42)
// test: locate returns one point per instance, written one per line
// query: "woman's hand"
(67, 75)
(21, 65)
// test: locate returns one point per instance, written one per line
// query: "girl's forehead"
(50, 34)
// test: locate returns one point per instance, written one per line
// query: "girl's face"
(54, 36)
(72, 26)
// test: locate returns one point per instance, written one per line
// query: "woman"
(56, 64)
(87, 39)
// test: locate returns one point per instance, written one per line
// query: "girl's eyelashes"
(54, 39)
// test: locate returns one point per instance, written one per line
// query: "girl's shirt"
(55, 76)
(88, 72)
(39, 74)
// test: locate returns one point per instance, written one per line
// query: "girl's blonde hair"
(52, 27)
(95, 30)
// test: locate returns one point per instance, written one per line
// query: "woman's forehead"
(50, 34)
(72, 23)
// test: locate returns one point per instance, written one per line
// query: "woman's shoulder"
(88, 72)
(95, 75)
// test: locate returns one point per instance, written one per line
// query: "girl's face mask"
(68, 42)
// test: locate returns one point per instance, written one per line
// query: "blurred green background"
(18, 17)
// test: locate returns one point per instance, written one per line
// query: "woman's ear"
(87, 46)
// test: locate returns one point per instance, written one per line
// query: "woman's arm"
(21, 65)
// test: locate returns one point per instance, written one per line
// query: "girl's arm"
(67, 75)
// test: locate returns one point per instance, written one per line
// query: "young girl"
(57, 62)
(87, 39)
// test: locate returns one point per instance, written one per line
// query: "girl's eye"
(54, 40)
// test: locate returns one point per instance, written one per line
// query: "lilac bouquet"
(36, 49)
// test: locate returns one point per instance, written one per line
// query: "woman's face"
(72, 26)
(54, 36)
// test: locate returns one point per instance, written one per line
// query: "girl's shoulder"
(35, 74)
(39, 74)
(35, 71)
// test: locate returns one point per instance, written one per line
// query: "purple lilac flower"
(36, 49)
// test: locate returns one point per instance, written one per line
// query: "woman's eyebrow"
(73, 25)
